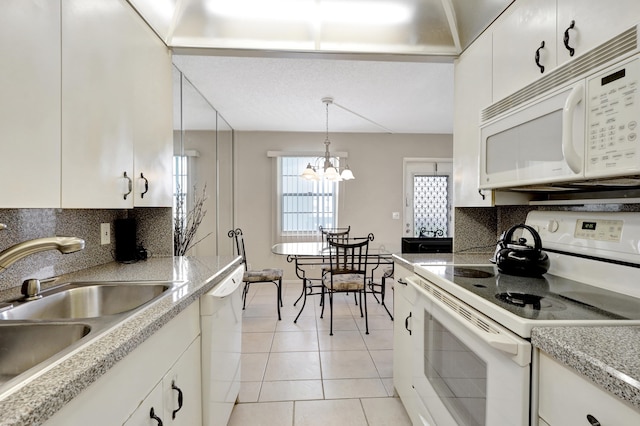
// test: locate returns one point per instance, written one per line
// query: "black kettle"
(518, 258)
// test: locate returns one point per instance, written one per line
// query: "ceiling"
(266, 65)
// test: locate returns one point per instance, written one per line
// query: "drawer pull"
(571, 50)
(592, 420)
(152, 415)
(174, 387)
(406, 323)
(538, 57)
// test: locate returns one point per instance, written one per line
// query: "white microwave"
(584, 131)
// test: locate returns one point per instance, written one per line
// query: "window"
(431, 205)
(180, 186)
(304, 205)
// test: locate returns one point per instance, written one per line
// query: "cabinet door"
(516, 37)
(97, 102)
(472, 92)
(595, 22)
(30, 104)
(182, 389)
(402, 361)
(153, 125)
(143, 414)
(566, 398)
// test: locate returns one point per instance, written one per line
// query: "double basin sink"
(35, 334)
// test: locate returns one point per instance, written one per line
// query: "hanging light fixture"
(330, 172)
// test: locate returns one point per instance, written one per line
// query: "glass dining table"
(310, 258)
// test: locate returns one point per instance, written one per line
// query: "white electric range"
(473, 322)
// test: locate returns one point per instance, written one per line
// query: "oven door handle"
(503, 345)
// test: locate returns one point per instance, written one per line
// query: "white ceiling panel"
(276, 94)
(266, 65)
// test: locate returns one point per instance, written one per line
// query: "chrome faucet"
(21, 250)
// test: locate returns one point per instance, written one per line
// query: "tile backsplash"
(154, 233)
(477, 228)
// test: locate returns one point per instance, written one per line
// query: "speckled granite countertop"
(408, 259)
(35, 401)
(608, 356)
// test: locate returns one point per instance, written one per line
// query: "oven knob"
(552, 226)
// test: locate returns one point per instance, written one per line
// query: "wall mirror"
(203, 169)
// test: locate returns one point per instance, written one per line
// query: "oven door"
(467, 370)
(537, 144)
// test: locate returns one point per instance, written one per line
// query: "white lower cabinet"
(176, 399)
(403, 298)
(141, 380)
(567, 398)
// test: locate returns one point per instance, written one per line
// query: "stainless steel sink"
(39, 333)
(25, 345)
(87, 300)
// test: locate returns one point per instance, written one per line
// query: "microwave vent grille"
(616, 47)
(457, 307)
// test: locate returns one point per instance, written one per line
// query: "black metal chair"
(346, 272)
(382, 264)
(309, 284)
(340, 234)
(256, 276)
(309, 269)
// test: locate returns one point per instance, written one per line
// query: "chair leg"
(245, 290)
(279, 297)
(371, 286)
(304, 300)
(382, 293)
(366, 314)
(304, 291)
(322, 296)
(330, 313)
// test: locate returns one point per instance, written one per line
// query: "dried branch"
(186, 225)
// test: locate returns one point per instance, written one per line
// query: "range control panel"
(609, 235)
(599, 229)
(613, 115)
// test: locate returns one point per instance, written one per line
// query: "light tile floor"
(296, 374)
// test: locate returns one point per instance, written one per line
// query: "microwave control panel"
(613, 117)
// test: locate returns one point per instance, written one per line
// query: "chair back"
(236, 234)
(350, 256)
(337, 234)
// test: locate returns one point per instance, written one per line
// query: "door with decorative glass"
(428, 198)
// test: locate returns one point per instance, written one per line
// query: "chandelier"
(330, 171)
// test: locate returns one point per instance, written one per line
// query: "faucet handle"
(31, 289)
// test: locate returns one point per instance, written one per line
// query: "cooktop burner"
(539, 298)
(521, 299)
(470, 273)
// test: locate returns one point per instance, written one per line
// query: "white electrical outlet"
(395, 215)
(105, 233)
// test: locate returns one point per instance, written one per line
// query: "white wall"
(366, 203)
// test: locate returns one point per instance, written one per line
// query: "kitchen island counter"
(38, 399)
(607, 356)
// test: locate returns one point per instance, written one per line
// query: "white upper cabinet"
(472, 92)
(517, 36)
(595, 21)
(30, 104)
(116, 106)
(153, 126)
